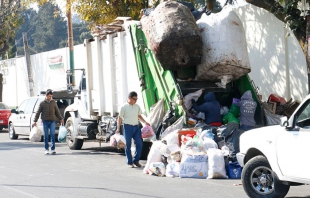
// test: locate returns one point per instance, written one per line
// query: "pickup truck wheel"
(260, 181)
(73, 143)
(12, 134)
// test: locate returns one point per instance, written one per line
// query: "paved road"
(96, 172)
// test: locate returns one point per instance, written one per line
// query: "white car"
(21, 119)
(275, 157)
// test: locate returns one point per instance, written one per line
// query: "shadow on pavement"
(299, 197)
(18, 144)
(90, 188)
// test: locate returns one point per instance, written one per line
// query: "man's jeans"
(133, 132)
(51, 126)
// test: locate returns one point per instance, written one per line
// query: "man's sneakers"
(130, 166)
(137, 164)
(53, 152)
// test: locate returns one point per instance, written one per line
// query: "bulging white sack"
(225, 55)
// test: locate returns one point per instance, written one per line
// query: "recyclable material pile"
(198, 152)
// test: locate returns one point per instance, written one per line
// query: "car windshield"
(3, 106)
(303, 119)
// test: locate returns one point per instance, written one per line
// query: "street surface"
(96, 172)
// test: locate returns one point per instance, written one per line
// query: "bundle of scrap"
(102, 30)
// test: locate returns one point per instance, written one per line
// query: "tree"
(50, 29)
(9, 22)
(27, 19)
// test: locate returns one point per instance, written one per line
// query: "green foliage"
(103, 12)
(292, 13)
(49, 30)
(9, 22)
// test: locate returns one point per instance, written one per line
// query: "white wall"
(44, 77)
(265, 36)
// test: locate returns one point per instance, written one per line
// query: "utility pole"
(28, 62)
(70, 40)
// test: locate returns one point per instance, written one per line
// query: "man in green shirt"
(129, 115)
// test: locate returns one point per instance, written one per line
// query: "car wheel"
(73, 143)
(1, 128)
(260, 181)
(12, 134)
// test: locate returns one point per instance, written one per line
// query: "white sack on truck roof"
(224, 52)
(173, 36)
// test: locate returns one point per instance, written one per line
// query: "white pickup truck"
(277, 157)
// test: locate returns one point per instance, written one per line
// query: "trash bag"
(35, 134)
(157, 168)
(225, 56)
(173, 36)
(62, 134)
(234, 110)
(168, 119)
(156, 116)
(216, 164)
(153, 156)
(187, 100)
(234, 170)
(118, 141)
(194, 166)
(147, 131)
(272, 119)
(176, 125)
(229, 117)
(173, 169)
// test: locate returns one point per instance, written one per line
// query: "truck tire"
(12, 134)
(259, 181)
(73, 143)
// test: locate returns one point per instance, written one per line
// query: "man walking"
(48, 110)
(129, 115)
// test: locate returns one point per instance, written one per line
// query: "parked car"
(5, 113)
(21, 119)
(276, 157)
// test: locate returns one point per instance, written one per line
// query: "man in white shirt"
(129, 115)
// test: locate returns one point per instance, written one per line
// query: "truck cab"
(273, 157)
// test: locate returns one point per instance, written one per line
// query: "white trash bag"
(216, 164)
(35, 134)
(188, 98)
(225, 56)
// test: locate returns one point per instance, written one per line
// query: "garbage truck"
(121, 62)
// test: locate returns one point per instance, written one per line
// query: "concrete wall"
(278, 63)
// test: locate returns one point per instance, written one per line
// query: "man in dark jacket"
(211, 108)
(48, 110)
(247, 110)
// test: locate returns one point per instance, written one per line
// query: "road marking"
(19, 191)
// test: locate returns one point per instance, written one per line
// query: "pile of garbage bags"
(192, 153)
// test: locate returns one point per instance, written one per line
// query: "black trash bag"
(168, 120)
(231, 136)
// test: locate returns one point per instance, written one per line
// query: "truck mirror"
(69, 89)
(283, 121)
